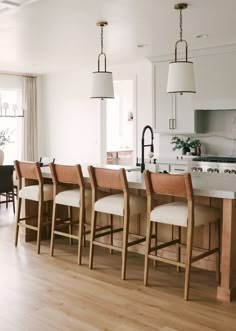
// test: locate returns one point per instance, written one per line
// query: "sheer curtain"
(29, 101)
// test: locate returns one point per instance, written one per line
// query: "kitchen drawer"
(178, 168)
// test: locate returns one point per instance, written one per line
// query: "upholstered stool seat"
(176, 213)
(185, 214)
(32, 192)
(72, 198)
(121, 204)
(114, 204)
(65, 176)
(40, 192)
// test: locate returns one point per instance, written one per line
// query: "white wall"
(69, 121)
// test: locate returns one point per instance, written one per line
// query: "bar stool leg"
(155, 224)
(17, 220)
(40, 215)
(218, 276)
(188, 261)
(53, 227)
(178, 249)
(13, 201)
(84, 233)
(125, 246)
(148, 243)
(47, 218)
(81, 227)
(92, 237)
(111, 224)
(69, 210)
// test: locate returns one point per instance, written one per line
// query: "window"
(10, 105)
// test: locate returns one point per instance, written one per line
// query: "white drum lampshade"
(181, 77)
(102, 85)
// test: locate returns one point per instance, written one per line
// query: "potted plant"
(196, 146)
(185, 144)
(5, 138)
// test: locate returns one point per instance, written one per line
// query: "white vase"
(1, 156)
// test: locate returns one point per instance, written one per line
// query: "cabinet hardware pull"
(170, 120)
(174, 123)
(180, 169)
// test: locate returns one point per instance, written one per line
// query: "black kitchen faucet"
(147, 145)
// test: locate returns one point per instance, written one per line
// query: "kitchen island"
(215, 189)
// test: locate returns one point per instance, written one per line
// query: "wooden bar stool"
(76, 196)
(181, 214)
(31, 187)
(123, 204)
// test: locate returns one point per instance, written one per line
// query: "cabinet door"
(162, 101)
(183, 113)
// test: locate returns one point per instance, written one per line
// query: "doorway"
(121, 124)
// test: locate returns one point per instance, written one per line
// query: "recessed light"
(199, 36)
(142, 45)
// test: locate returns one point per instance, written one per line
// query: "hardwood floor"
(41, 293)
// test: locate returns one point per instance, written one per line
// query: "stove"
(214, 164)
(220, 159)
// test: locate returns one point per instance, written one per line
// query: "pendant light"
(181, 75)
(102, 84)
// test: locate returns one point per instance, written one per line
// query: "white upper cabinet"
(172, 113)
(215, 76)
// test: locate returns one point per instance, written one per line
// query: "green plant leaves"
(180, 143)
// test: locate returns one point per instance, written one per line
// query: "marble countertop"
(173, 160)
(204, 184)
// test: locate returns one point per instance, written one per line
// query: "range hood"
(222, 121)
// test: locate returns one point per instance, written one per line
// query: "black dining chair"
(6, 185)
(44, 161)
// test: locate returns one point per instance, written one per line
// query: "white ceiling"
(57, 35)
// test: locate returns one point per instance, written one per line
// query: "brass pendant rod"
(180, 25)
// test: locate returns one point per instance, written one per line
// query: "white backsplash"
(213, 143)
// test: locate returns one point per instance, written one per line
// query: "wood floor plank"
(39, 292)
